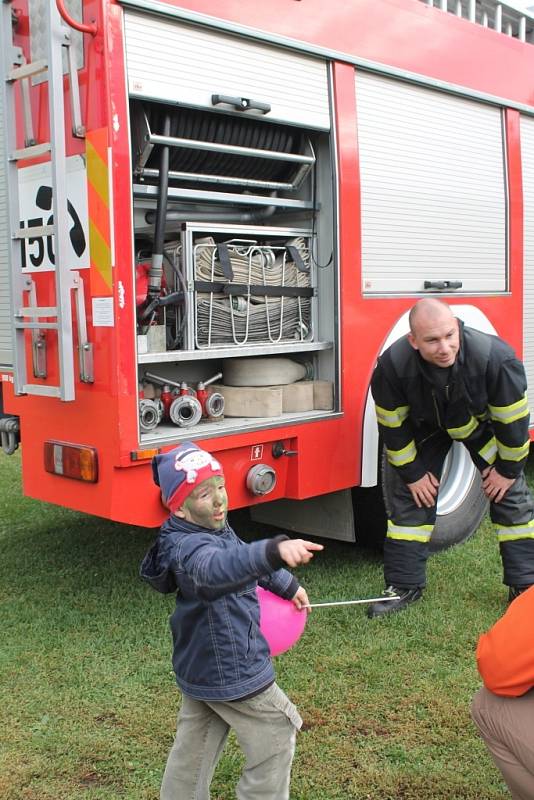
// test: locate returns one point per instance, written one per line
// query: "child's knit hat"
(179, 471)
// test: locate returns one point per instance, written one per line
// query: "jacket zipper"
(436, 408)
(446, 389)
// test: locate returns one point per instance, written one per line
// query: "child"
(220, 657)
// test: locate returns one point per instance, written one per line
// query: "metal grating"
(507, 18)
(38, 34)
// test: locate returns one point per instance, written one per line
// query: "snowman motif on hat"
(193, 461)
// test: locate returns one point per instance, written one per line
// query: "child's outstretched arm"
(295, 552)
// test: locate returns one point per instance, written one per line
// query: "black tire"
(462, 504)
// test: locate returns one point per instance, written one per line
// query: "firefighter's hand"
(495, 485)
(297, 551)
(425, 490)
(300, 600)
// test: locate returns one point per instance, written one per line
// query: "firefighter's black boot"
(403, 598)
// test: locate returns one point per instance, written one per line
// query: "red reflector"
(71, 461)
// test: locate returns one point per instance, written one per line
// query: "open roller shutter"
(6, 354)
(177, 63)
(527, 159)
(433, 189)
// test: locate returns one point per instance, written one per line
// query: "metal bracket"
(85, 348)
(78, 129)
(39, 354)
(29, 136)
(144, 145)
(19, 58)
(9, 434)
(38, 336)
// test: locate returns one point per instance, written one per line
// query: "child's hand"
(300, 600)
(297, 551)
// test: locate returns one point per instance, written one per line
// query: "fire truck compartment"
(234, 197)
(246, 294)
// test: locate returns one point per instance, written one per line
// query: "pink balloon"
(280, 622)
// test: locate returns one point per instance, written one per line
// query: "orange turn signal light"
(71, 461)
(143, 455)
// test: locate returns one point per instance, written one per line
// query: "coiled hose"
(244, 318)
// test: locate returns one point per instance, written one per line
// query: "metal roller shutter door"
(176, 63)
(6, 354)
(527, 158)
(433, 189)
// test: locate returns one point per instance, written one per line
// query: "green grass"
(88, 700)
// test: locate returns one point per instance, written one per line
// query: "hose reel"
(222, 147)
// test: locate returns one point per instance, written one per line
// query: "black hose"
(156, 269)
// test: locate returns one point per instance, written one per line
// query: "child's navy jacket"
(218, 650)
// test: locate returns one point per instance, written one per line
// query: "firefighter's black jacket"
(484, 404)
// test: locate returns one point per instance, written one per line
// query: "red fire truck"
(214, 217)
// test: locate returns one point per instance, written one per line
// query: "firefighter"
(440, 383)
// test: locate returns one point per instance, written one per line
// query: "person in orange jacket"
(503, 709)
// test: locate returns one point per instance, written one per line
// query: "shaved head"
(434, 332)
(429, 310)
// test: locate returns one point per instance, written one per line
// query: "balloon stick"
(352, 602)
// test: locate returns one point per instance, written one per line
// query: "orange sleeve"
(505, 654)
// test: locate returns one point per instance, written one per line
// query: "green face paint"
(207, 505)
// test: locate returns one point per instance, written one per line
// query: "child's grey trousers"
(265, 726)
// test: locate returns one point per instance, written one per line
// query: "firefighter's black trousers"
(405, 554)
